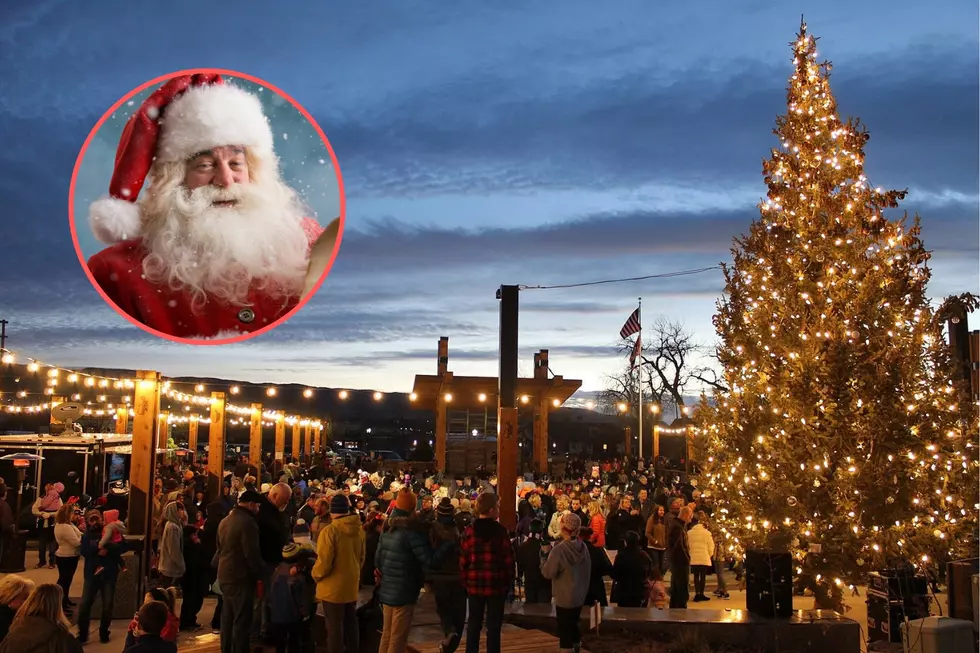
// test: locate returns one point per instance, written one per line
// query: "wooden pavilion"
(465, 405)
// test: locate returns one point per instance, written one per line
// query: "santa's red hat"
(187, 115)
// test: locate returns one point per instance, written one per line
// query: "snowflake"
(285, 137)
(152, 113)
(322, 161)
(130, 103)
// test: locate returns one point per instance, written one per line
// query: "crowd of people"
(283, 543)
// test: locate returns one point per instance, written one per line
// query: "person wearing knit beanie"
(339, 505)
(301, 532)
(445, 508)
(406, 501)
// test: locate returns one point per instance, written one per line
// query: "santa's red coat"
(119, 272)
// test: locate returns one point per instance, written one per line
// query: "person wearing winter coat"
(240, 568)
(14, 590)
(597, 522)
(340, 554)
(373, 523)
(290, 601)
(702, 547)
(630, 573)
(171, 564)
(148, 638)
(444, 576)
(197, 578)
(679, 555)
(537, 588)
(554, 526)
(45, 509)
(40, 625)
(167, 597)
(402, 560)
(69, 540)
(569, 567)
(486, 566)
(656, 536)
(601, 567)
(101, 571)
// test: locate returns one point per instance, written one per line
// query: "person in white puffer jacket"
(554, 526)
(702, 546)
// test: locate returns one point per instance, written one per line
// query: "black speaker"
(885, 616)
(769, 583)
(897, 584)
(959, 588)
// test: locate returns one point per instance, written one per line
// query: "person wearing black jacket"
(195, 581)
(601, 567)
(679, 556)
(626, 519)
(537, 588)
(274, 533)
(630, 573)
(209, 546)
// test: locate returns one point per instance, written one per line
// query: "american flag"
(632, 325)
(635, 354)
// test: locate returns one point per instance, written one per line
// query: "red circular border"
(161, 80)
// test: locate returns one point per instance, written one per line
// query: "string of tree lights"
(96, 392)
(844, 438)
(78, 386)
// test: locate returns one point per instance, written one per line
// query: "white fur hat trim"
(211, 116)
(114, 220)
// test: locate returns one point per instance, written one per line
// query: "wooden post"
(507, 408)
(628, 436)
(441, 407)
(540, 435)
(307, 444)
(122, 420)
(216, 444)
(280, 450)
(192, 425)
(296, 448)
(255, 437)
(656, 442)
(146, 436)
(316, 440)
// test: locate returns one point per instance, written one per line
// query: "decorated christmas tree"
(843, 437)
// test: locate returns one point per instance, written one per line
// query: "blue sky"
(558, 142)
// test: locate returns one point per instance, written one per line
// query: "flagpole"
(639, 372)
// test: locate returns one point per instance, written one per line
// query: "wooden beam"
(628, 440)
(296, 441)
(146, 437)
(122, 420)
(192, 425)
(280, 450)
(216, 445)
(441, 408)
(255, 436)
(307, 444)
(540, 435)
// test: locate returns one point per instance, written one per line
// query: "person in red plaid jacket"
(486, 566)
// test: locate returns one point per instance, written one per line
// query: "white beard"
(223, 252)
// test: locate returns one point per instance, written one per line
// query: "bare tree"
(668, 368)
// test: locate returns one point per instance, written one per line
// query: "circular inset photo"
(207, 206)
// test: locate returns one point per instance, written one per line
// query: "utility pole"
(507, 408)
(3, 335)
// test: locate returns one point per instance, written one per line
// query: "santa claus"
(217, 245)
